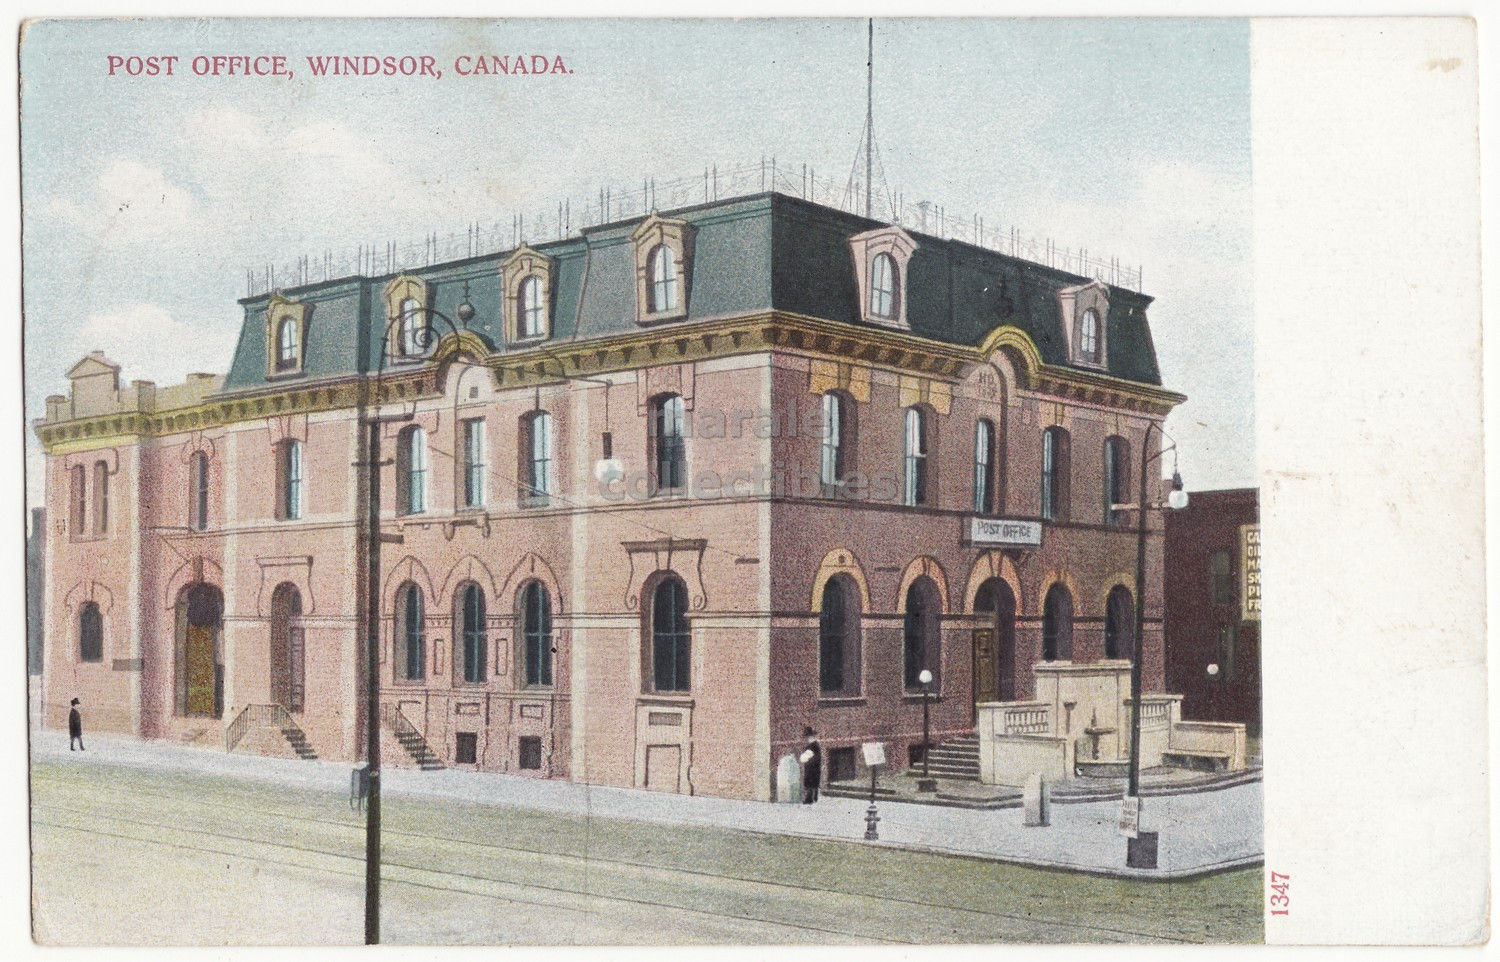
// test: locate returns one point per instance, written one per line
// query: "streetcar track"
(647, 903)
(637, 866)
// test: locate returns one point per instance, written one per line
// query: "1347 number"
(1281, 899)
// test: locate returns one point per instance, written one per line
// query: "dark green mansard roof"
(767, 251)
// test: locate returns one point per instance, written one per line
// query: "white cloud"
(149, 343)
(128, 202)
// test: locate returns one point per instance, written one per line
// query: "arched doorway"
(995, 642)
(199, 665)
(288, 675)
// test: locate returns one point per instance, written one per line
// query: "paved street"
(129, 853)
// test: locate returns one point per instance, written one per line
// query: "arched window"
(921, 632)
(1221, 577)
(1119, 624)
(199, 491)
(916, 443)
(838, 435)
(536, 443)
(411, 634)
(90, 633)
(536, 633)
(77, 499)
(662, 267)
(1056, 474)
(984, 466)
(1057, 624)
(473, 653)
(288, 648)
(286, 345)
(101, 498)
(530, 311)
(671, 638)
(668, 447)
(412, 322)
(411, 470)
(1088, 336)
(1116, 479)
(839, 638)
(289, 479)
(884, 283)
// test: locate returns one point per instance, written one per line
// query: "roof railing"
(717, 183)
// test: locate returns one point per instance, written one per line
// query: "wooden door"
(200, 670)
(985, 672)
(663, 768)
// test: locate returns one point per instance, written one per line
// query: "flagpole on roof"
(869, 116)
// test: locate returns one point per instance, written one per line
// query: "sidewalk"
(1199, 833)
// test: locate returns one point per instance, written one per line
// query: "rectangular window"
(915, 492)
(466, 748)
(200, 491)
(101, 498)
(77, 499)
(289, 469)
(531, 751)
(984, 466)
(474, 463)
(832, 467)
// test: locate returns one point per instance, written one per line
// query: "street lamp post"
(1177, 499)
(926, 783)
(372, 421)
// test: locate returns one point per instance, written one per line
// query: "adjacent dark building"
(1213, 606)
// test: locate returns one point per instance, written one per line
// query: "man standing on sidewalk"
(812, 766)
(75, 728)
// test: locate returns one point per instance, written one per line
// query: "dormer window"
(526, 280)
(286, 335)
(408, 301)
(663, 268)
(286, 345)
(410, 341)
(1085, 311)
(883, 286)
(663, 280)
(881, 257)
(1088, 336)
(529, 309)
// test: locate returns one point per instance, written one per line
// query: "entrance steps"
(416, 746)
(955, 758)
(296, 738)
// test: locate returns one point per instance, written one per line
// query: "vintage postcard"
(733, 482)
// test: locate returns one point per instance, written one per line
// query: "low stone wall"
(1205, 737)
(1015, 757)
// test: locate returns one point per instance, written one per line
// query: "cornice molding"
(876, 347)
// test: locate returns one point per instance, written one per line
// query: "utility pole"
(372, 680)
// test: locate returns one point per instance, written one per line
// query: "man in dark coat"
(812, 766)
(75, 728)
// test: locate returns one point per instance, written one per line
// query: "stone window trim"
(677, 236)
(1074, 303)
(281, 309)
(526, 262)
(864, 248)
(400, 290)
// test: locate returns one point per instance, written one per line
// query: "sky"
(146, 199)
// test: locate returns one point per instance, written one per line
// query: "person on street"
(812, 766)
(75, 728)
